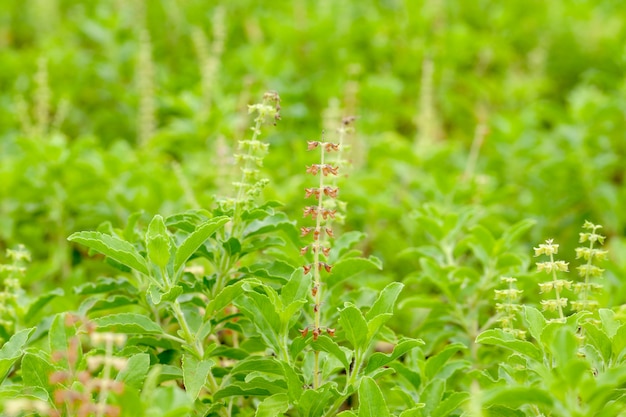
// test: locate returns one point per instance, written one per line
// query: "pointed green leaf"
(294, 383)
(269, 365)
(513, 233)
(516, 396)
(296, 288)
(262, 313)
(326, 344)
(196, 239)
(40, 302)
(450, 403)
(371, 400)
(36, 371)
(432, 395)
(378, 360)
(273, 406)
(158, 242)
(115, 248)
(135, 371)
(195, 374)
(127, 323)
(350, 267)
(598, 338)
(534, 321)
(498, 337)
(314, 402)
(609, 323)
(228, 295)
(375, 324)
(386, 301)
(12, 350)
(436, 362)
(354, 326)
(158, 297)
(59, 335)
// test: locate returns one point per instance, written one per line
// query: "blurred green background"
(508, 110)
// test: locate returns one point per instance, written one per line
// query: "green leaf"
(262, 313)
(386, 301)
(228, 295)
(294, 383)
(170, 401)
(514, 232)
(40, 302)
(535, 322)
(326, 344)
(516, 396)
(413, 412)
(410, 375)
(135, 371)
(484, 243)
(599, 339)
(267, 365)
(105, 284)
(255, 387)
(59, 335)
(350, 267)
(314, 402)
(232, 246)
(378, 360)
(498, 337)
(127, 323)
(619, 343)
(158, 242)
(115, 248)
(296, 288)
(36, 371)
(374, 325)
(158, 297)
(344, 243)
(436, 362)
(609, 323)
(432, 394)
(273, 406)
(371, 400)
(354, 326)
(191, 244)
(12, 350)
(95, 303)
(195, 373)
(450, 403)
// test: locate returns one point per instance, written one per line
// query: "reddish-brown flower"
(313, 169)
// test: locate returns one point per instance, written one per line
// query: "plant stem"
(556, 290)
(189, 336)
(106, 378)
(317, 281)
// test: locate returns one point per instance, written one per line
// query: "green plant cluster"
(312, 208)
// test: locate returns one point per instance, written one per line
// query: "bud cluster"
(509, 307)
(589, 270)
(551, 267)
(11, 288)
(252, 152)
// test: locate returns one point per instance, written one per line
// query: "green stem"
(106, 378)
(189, 336)
(556, 290)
